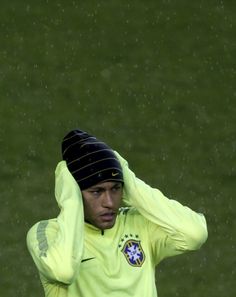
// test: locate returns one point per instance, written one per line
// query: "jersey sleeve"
(174, 228)
(56, 246)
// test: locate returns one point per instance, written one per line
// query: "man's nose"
(107, 200)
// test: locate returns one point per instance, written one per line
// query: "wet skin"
(101, 204)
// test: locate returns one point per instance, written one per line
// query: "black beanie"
(89, 160)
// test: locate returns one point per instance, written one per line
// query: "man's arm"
(57, 245)
(185, 229)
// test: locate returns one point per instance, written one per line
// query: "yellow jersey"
(75, 259)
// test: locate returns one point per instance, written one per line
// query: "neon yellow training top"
(75, 259)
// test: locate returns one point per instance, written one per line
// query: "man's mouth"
(107, 217)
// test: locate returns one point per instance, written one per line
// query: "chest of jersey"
(116, 260)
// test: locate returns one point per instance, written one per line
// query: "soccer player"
(112, 229)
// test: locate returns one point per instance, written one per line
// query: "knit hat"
(89, 160)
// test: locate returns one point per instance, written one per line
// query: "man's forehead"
(106, 184)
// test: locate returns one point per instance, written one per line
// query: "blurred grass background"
(156, 81)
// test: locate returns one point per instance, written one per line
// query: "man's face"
(101, 204)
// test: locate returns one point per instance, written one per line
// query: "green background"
(156, 81)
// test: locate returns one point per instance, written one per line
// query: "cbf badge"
(133, 252)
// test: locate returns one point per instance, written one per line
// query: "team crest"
(133, 252)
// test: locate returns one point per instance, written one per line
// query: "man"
(97, 248)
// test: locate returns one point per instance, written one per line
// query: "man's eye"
(95, 193)
(117, 188)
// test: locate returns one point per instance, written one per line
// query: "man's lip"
(109, 216)
(108, 213)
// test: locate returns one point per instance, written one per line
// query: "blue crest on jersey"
(133, 252)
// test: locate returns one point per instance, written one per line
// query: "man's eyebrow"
(96, 188)
(116, 185)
